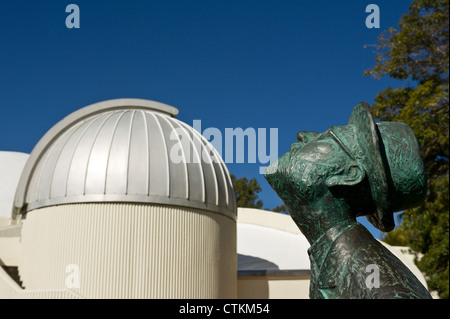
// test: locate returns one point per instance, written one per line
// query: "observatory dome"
(125, 150)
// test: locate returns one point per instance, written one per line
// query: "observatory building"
(122, 200)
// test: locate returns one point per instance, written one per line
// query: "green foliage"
(246, 192)
(419, 54)
(281, 209)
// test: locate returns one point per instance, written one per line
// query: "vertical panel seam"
(110, 147)
(186, 174)
(92, 147)
(89, 124)
(168, 184)
(199, 156)
(130, 133)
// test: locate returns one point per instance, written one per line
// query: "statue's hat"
(391, 158)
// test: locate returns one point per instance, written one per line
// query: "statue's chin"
(272, 168)
(276, 172)
(278, 166)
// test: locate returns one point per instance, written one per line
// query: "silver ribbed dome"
(125, 150)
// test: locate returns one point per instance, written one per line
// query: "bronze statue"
(327, 180)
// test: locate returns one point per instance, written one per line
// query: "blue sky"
(290, 65)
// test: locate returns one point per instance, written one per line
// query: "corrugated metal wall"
(130, 251)
(10, 290)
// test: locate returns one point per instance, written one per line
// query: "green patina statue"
(327, 180)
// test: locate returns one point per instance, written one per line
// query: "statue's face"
(299, 176)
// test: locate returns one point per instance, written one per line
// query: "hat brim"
(375, 164)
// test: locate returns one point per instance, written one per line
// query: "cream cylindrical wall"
(129, 251)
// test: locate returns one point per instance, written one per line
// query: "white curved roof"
(266, 240)
(11, 166)
(125, 150)
(265, 248)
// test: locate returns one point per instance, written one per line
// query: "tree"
(418, 53)
(246, 192)
(281, 209)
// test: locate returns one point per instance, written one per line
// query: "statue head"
(361, 169)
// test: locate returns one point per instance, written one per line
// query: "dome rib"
(166, 159)
(147, 149)
(213, 168)
(47, 164)
(72, 150)
(108, 152)
(63, 165)
(109, 149)
(88, 164)
(184, 160)
(130, 134)
(197, 155)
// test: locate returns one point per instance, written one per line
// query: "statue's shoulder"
(359, 266)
